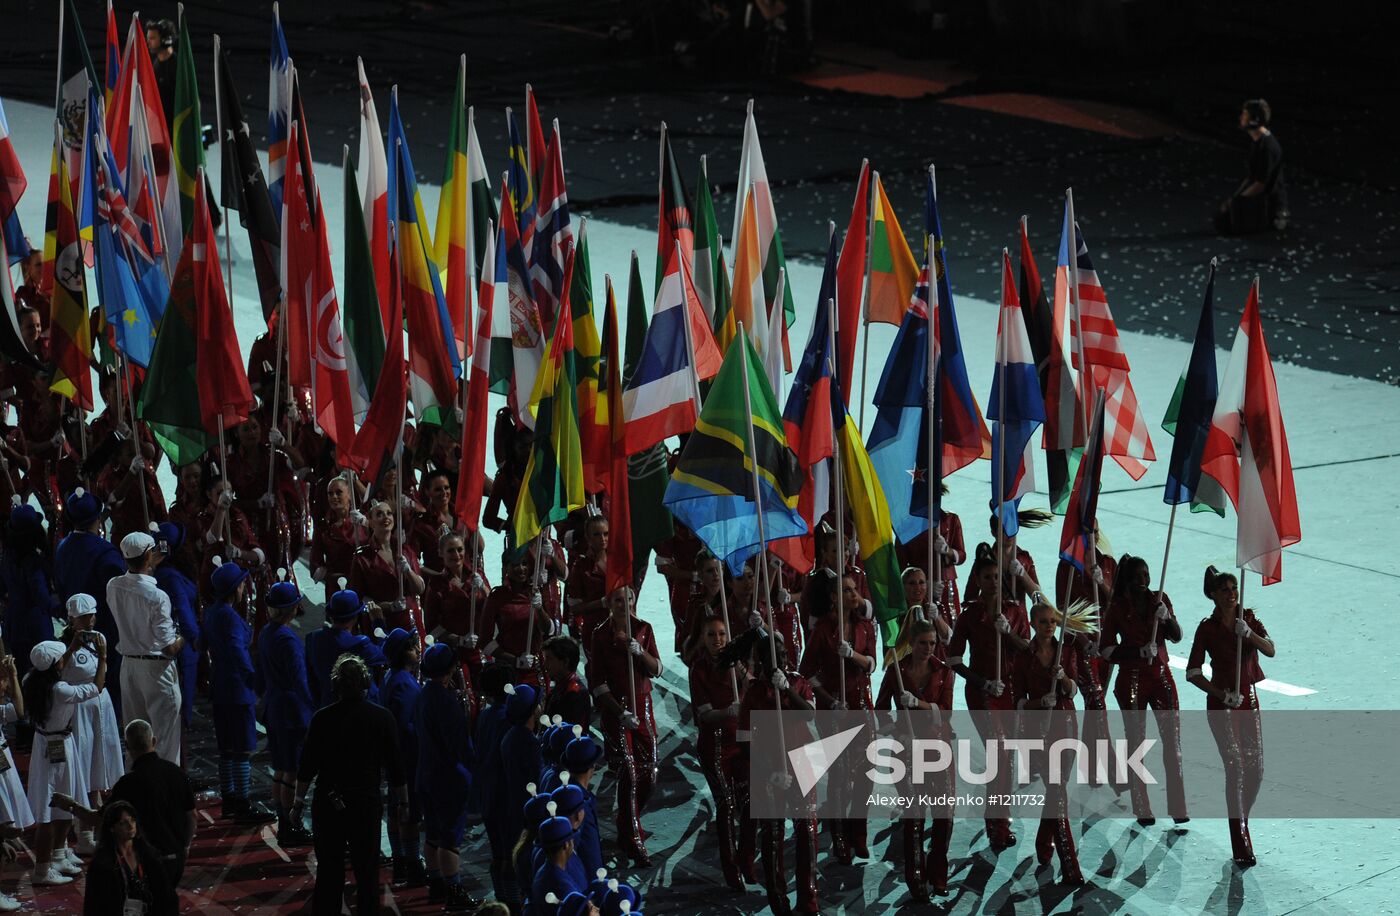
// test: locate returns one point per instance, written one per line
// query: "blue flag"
(1193, 404)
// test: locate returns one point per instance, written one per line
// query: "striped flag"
(516, 330)
(279, 110)
(471, 474)
(12, 180)
(12, 185)
(364, 322)
(648, 471)
(673, 220)
(753, 176)
(372, 173)
(187, 126)
(621, 560)
(553, 236)
(1015, 406)
(1081, 518)
(893, 270)
(710, 283)
(748, 307)
(850, 278)
(587, 364)
(70, 333)
(112, 66)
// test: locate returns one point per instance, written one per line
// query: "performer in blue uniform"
(525, 857)
(581, 758)
(177, 581)
(323, 647)
(485, 795)
(519, 765)
(555, 880)
(399, 695)
(229, 639)
(287, 705)
(445, 759)
(85, 562)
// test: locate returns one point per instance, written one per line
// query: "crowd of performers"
(511, 700)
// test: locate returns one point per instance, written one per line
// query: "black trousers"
(353, 831)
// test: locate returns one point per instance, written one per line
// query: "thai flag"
(279, 105)
(1015, 406)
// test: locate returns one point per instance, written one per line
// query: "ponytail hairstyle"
(1025, 518)
(1080, 617)
(986, 556)
(1215, 578)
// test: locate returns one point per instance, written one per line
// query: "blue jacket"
(484, 794)
(399, 694)
(184, 599)
(29, 605)
(588, 845)
(229, 639)
(559, 881)
(86, 562)
(445, 752)
(324, 646)
(287, 700)
(520, 765)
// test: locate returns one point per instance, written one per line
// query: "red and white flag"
(471, 479)
(372, 175)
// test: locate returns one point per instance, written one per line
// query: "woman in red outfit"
(1233, 638)
(920, 682)
(1019, 578)
(623, 660)
(428, 526)
(787, 616)
(708, 603)
(1042, 678)
(449, 613)
(228, 535)
(584, 592)
(1136, 629)
(843, 644)
(677, 559)
(1091, 664)
(338, 535)
(375, 575)
(989, 631)
(506, 621)
(948, 545)
(119, 485)
(715, 692)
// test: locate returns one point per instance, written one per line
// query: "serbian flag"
(471, 475)
(224, 394)
(850, 277)
(1015, 406)
(372, 175)
(1247, 451)
(1080, 528)
(619, 571)
(660, 398)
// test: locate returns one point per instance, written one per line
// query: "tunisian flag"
(220, 377)
(1247, 451)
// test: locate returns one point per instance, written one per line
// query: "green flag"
(169, 402)
(185, 128)
(364, 325)
(648, 471)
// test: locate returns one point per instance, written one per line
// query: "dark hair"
(741, 648)
(111, 813)
(564, 648)
(1214, 579)
(1259, 112)
(984, 558)
(435, 472)
(165, 29)
(38, 691)
(916, 629)
(1025, 518)
(350, 677)
(592, 520)
(816, 595)
(1127, 565)
(494, 678)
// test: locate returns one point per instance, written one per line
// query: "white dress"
(14, 806)
(95, 726)
(47, 777)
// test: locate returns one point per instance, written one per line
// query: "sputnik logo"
(811, 761)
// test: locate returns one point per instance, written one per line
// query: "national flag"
(712, 489)
(587, 357)
(1188, 417)
(709, 254)
(11, 343)
(660, 398)
(471, 474)
(12, 180)
(749, 307)
(648, 471)
(1063, 436)
(850, 278)
(621, 563)
(141, 146)
(553, 236)
(112, 66)
(516, 330)
(454, 237)
(673, 221)
(1126, 438)
(893, 270)
(12, 185)
(552, 485)
(1080, 529)
(753, 175)
(50, 250)
(279, 111)
(1015, 406)
(522, 191)
(372, 171)
(243, 187)
(773, 362)
(224, 393)
(69, 330)
(17, 247)
(1247, 451)
(187, 126)
(311, 296)
(380, 437)
(364, 322)
(76, 78)
(537, 153)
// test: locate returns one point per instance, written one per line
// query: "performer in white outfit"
(51, 704)
(149, 644)
(14, 806)
(95, 729)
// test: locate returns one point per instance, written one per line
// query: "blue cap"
(437, 661)
(537, 810)
(344, 605)
(612, 900)
(555, 832)
(558, 738)
(575, 904)
(281, 596)
(226, 579)
(521, 704)
(568, 798)
(24, 517)
(83, 508)
(173, 533)
(395, 642)
(582, 753)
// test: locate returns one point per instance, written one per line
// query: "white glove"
(940, 544)
(1049, 700)
(780, 781)
(840, 706)
(537, 602)
(1018, 568)
(319, 575)
(455, 582)
(470, 640)
(1002, 624)
(358, 518)
(733, 710)
(275, 437)
(853, 547)
(779, 681)
(1098, 576)
(844, 649)
(398, 606)
(403, 564)
(1058, 674)
(1242, 629)
(225, 499)
(405, 502)
(293, 415)
(636, 648)
(631, 721)
(478, 583)
(755, 620)
(994, 688)
(908, 700)
(121, 430)
(524, 661)
(259, 557)
(1148, 651)
(1163, 613)
(267, 501)
(138, 464)
(57, 440)
(233, 552)
(784, 596)
(1233, 700)
(547, 549)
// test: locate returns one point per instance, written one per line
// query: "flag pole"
(278, 357)
(1162, 576)
(865, 289)
(398, 513)
(840, 511)
(935, 458)
(223, 471)
(762, 539)
(122, 367)
(1086, 377)
(1239, 640)
(999, 472)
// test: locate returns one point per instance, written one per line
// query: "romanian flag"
(71, 332)
(433, 363)
(186, 129)
(712, 488)
(553, 480)
(893, 271)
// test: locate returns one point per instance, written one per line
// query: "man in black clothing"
(161, 794)
(160, 41)
(351, 747)
(1261, 200)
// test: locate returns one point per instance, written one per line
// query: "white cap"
(135, 544)
(45, 654)
(80, 605)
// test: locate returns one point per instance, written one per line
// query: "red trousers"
(1139, 687)
(632, 755)
(1239, 737)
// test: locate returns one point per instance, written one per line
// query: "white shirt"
(142, 612)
